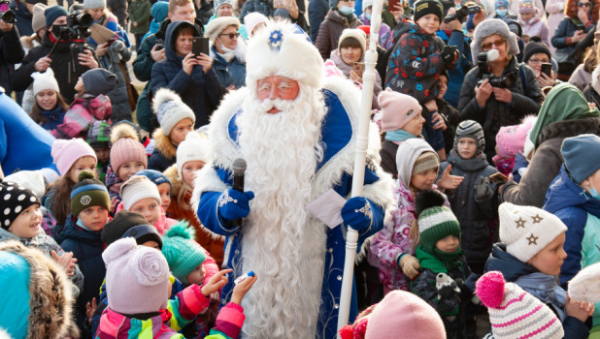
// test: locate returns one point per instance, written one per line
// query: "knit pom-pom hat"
(193, 148)
(126, 147)
(88, 192)
(136, 188)
(470, 129)
(14, 199)
(397, 109)
(585, 286)
(435, 221)
(66, 152)
(182, 252)
(511, 139)
(170, 110)
(515, 313)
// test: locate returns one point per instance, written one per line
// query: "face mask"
(225, 49)
(368, 16)
(502, 12)
(347, 10)
(56, 30)
(594, 193)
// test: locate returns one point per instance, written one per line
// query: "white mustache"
(280, 104)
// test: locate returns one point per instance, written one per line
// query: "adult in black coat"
(11, 52)
(61, 61)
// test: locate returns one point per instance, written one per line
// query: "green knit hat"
(182, 252)
(436, 221)
(88, 192)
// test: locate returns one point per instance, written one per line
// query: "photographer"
(9, 38)
(500, 92)
(63, 59)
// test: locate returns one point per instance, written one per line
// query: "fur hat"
(182, 252)
(397, 109)
(14, 199)
(218, 25)
(435, 221)
(170, 110)
(576, 151)
(283, 49)
(137, 278)
(129, 224)
(357, 34)
(126, 147)
(88, 192)
(194, 147)
(38, 21)
(37, 294)
(219, 3)
(470, 129)
(511, 139)
(91, 4)
(98, 136)
(585, 286)
(515, 313)
(33, 180)
(425, 7)
(490, 27)
(98, 81)
(66, 152)
(526, 230)
(138, 187)
(251, 20)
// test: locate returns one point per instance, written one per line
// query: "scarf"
(398, 135)
(436, 260)
(546, 289)
(227, 56)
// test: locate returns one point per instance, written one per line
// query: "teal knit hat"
(182, 252)
(436, 221)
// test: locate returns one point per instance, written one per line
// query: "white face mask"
(225, 49)
(347, 10)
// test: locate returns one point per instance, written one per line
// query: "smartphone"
(392, 4)
(359, 68)
(280, 4)
(498, 178)
(160, 44)
(547, 69)
(200, 45)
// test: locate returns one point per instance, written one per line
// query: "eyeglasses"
(231, 35)
(584, 4)
(496, 43)
(538, 61)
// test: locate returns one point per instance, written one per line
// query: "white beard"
(281, 241)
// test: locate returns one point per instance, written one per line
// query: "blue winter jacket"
(23, 17)
(24, 145)
(317, 10)
(457, 75)
(232, 73)
(200, 91)
(87, 247)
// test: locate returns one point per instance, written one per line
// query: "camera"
(77, 28)
(462, 14)
(5, 13)
(503, 81)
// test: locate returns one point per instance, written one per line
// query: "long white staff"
(360, 159)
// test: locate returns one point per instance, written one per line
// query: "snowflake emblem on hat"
(275, 39)
(85, 200)
(532, 239)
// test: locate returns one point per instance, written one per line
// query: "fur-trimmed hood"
(163, 144)
(176, 184)
(50, 293)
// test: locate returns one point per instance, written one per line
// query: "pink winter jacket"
(535, 27)
(82, 113)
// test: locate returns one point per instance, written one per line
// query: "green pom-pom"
(182, 230)
(86, 175)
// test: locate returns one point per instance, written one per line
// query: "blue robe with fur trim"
(338, 140)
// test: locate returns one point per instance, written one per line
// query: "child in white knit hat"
(176, 120)
(192, 155)
(531, 255)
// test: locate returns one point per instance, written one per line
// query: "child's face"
(526, 16)
(94, 217)
(181, 130)
(415, 125)
(196, 277)
(28, 224)
(79, 85)
(188, 172)
(86, 163)
(424, 180)
(149, 208)
(46, 99)
(467, 148)
(152, 244)
(550, 259)
(430, 23)
(103, 154)
(129, 169)
(448, 245)
(443, 85)
(164, 190)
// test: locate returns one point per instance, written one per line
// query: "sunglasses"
(231, 35)
(496, 43)
(584, 4)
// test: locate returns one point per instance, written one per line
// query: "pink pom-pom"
(490, 289)
(347, 332)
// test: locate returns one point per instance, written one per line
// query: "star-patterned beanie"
(14, 199)
(526, 230)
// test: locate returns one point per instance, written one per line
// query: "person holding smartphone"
(537, 56)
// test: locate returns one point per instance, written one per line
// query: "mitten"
(233, 205)
(482, 189)
(357, 213)
(449, 54)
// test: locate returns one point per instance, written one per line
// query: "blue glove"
(357, 213)
(233, 205)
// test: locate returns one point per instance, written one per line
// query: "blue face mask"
(368, 16)
(347, 10)
(594, 193)
(502, 12)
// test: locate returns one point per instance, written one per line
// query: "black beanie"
(124, 223)
(535, 48)
(98, 81)
(424, 7)
(14, 199)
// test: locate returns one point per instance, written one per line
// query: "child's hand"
(90, 309)
(113, 204)
(67, 262)
(439, 122)
(410, 266)
(449, 181)
(240, 290)
(215, 283)
(579, 309)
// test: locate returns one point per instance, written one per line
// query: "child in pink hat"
(510, 140)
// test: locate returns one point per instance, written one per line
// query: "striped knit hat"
(470, 129)
(88, 192)
(435, 221)
(515, 313)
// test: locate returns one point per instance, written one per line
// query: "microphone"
(239, 168)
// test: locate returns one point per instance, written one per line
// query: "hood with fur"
(163, 144)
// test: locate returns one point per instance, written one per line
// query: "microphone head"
(492, 55)
(239, 166)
